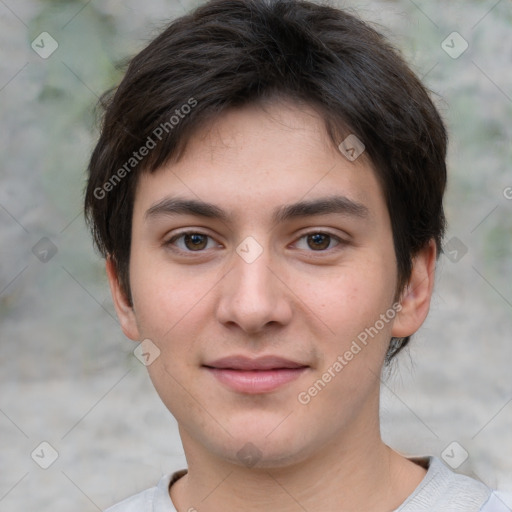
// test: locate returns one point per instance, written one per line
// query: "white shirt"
(441, 490)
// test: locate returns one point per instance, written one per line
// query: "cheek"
(351, 298)
(165, 297)
(170, 307)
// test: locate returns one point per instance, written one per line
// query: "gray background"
(67, 374)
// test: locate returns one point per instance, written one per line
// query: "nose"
(252, 296)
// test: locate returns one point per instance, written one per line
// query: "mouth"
(255, 375)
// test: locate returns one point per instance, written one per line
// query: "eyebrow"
(321, 206)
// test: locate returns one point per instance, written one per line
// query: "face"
(263, 268)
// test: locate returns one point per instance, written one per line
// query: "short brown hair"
(228, 53)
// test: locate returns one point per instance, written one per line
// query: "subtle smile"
(260, 375)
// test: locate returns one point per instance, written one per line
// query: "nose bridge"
(253, 272)
(251, 295)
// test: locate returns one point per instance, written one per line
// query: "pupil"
(197, 240)
(318, 239)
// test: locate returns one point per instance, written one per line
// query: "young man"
(267, 191)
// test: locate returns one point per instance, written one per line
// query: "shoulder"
(498, 502)
(155, 499)
(141, 502)
(443, 489)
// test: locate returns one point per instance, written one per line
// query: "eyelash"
(170, 243)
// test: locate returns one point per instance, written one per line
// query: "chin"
(263, 446)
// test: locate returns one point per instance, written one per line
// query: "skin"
(295, 300)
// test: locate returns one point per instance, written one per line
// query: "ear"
(124, 310)
(415, 299)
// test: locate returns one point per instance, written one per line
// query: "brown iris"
(320, 241)
(197, 241)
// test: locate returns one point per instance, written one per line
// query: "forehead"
(255, 158)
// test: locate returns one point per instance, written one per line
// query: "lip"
(239, 362)
(255, 375)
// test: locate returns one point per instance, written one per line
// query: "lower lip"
(256, 381)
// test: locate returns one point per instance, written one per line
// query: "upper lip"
(240, 362)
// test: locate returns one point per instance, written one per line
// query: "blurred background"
(68, 377)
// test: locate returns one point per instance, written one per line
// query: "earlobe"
(124, 309)
(415, 299)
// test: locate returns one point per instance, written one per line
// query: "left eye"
(319, 241)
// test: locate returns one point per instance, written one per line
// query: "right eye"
(190, 241)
